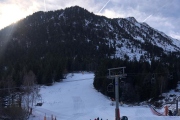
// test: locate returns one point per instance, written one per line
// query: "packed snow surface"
(76, 99)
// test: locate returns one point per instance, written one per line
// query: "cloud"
(90, 5)
(160, 14)
(13, 10)
(175, 35)
(104, 6)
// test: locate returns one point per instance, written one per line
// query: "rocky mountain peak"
(131, 19)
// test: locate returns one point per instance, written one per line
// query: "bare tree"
(10, 110)
(15, 113)
(31, 90)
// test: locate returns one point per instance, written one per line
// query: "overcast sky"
(163, 15)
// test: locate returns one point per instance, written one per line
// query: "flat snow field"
(76, 99)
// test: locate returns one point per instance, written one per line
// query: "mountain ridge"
(123, 38)
(131, 26)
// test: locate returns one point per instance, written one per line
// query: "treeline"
(144, 80)
(50, 45)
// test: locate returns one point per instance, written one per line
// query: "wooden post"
(166, 110)
(30, 111)
(45, 117)
(177, 107)
(51, 117)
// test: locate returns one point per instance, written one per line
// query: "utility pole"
(120, 75)
(177, 111)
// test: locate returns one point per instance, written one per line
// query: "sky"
(162, 15)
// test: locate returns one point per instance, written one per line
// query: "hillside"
(75, 98)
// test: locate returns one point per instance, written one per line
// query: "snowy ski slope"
(76, 99)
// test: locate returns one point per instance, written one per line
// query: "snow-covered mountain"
(144, 34)
(150, 34)
(123, 38)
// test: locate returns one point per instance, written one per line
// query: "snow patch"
(76, 99)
